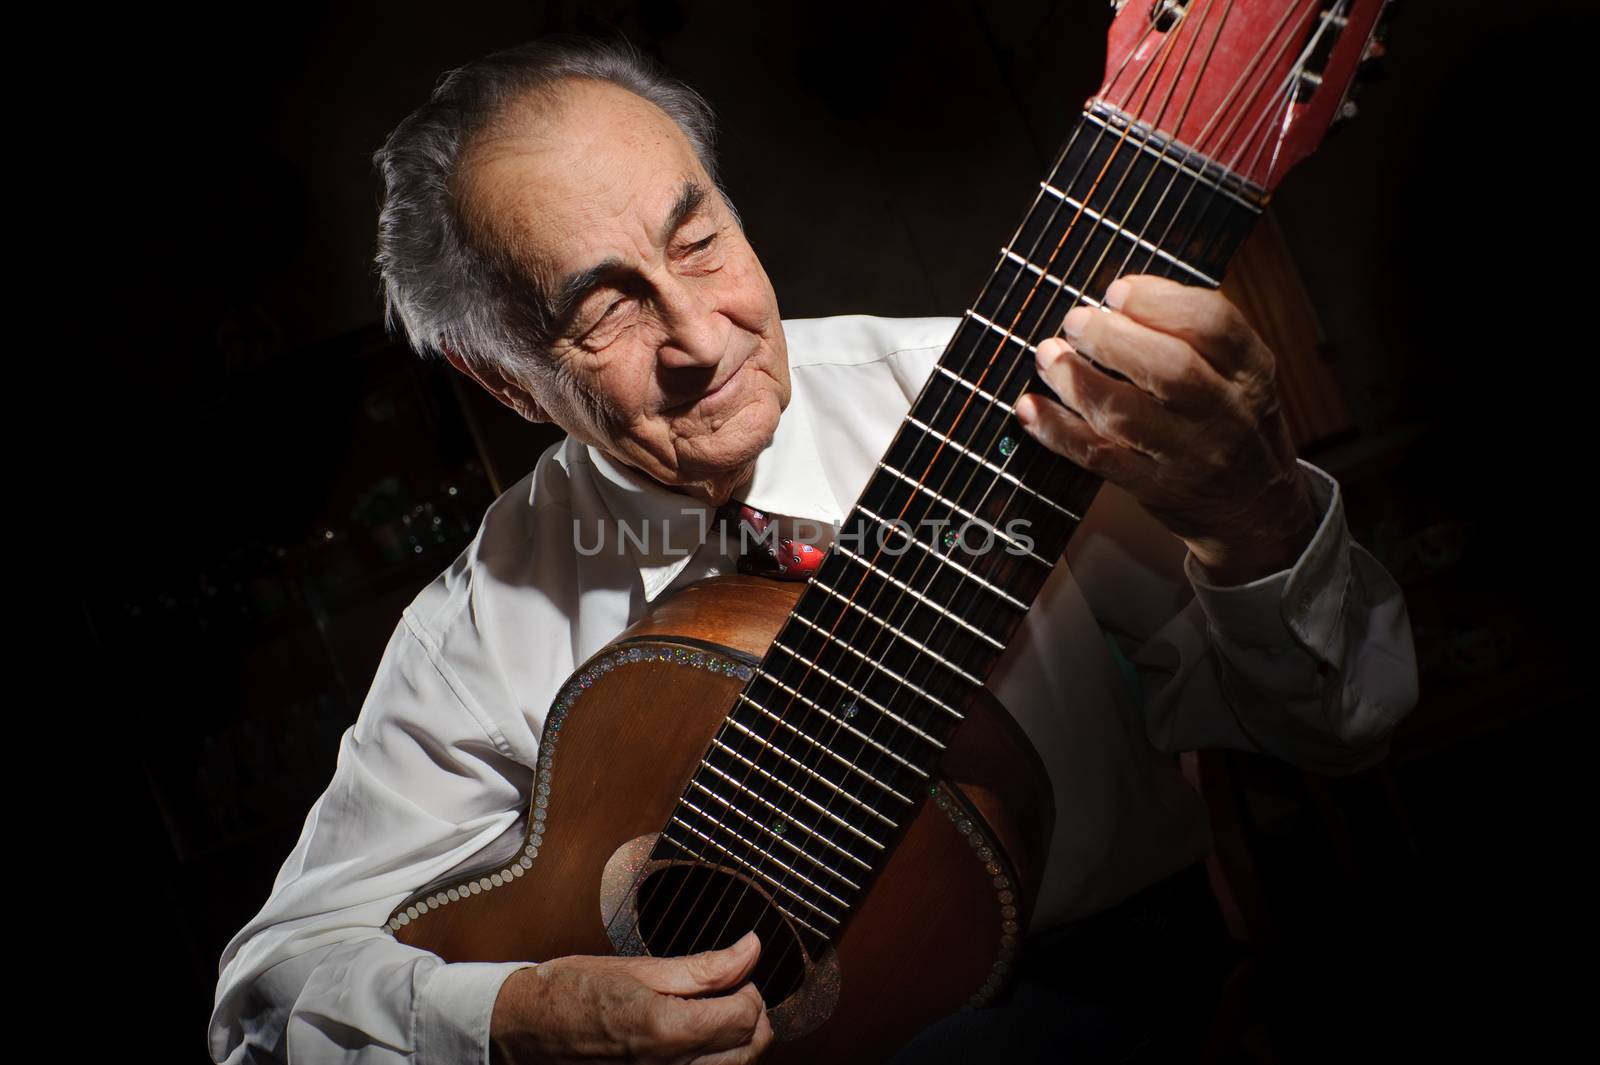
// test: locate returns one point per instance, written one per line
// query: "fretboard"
(829, 750)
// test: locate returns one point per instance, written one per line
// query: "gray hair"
(448, 281)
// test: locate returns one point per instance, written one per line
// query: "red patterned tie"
(779, 558)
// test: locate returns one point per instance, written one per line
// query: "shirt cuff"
(1302, 605)
(454, 1008)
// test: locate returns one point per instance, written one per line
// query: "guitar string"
(921, 562)
(858, 626)
(882, 635)
(855, 678)
(782, 674)
(1013, 490)
(872, 730)
(1129, 255)
(877, 635)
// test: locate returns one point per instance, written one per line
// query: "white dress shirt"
(1127, 656)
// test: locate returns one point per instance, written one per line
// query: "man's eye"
(701, 245)
(600, 325)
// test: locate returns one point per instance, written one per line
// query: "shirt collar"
(668, 527)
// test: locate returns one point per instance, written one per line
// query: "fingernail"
(1116, 293)
(1072, 325)
(1025, 413)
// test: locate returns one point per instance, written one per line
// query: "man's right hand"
(592, 1009)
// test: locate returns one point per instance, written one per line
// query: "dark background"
(272, 478)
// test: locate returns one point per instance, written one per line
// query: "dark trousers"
(1136, 983)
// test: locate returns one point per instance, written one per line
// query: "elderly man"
(554, 228)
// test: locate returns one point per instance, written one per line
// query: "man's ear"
(503, 388)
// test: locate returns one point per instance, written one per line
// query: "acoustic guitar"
(821, 762)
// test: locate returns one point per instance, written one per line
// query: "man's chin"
(730, 462)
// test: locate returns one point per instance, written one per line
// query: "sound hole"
(687, 908)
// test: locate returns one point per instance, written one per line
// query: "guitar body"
(823, 763)
(945, 914)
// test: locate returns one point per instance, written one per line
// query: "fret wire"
(1126, 202)
(949, 674)
(886, 671)
(936, 656)
(819, 745)
(712, 819)
(893, 675)
(1134, 137)
(830, 844)
(796, 791)
(993, 401)
(763, 800)
(1100, 200)
(789, 821)
(967, 437)
(965, 589)
(840, 722)
(748, 868)
(1120, 231)
(971, 517)
(1042, 466)
(812, 770)
(898, 583)
(991, 467)
(1008, 334)
(863, 696)
(1059, 283)
(1004, 595)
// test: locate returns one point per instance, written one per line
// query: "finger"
(1201, 317)
(1159, 364)
(697, 974)
(1067, 434)
(708, 1025)
(742, 1055)
(1116, 410)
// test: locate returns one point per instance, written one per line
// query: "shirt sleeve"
(1313, 664)
(423, 782)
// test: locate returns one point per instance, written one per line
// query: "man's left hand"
(1195, 434)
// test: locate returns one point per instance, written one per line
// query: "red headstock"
(1251, 84)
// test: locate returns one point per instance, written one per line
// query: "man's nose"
(697, 333)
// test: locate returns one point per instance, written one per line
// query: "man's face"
(669, 355)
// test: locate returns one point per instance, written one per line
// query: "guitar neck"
(830, 748)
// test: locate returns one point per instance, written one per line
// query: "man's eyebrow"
(575, 287)
(691, 197)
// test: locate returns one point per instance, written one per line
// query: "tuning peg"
(1372, 67)
(1341, 118)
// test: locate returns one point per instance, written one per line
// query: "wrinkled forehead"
(589, 170)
